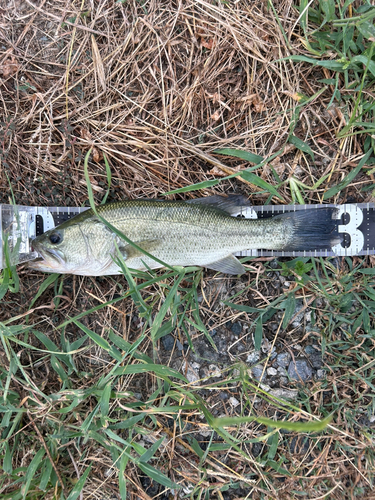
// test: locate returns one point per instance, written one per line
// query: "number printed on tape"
(357, 239)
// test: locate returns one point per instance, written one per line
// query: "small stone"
(168, 342)
(310, 350)
(287, 284)
(214, 371)
(299, 311)
(234, 402)
(284, 393)
(283, 359)
(316, 360)
(180, 347)
(281, 371)
(190, 372)
(266, 346)
(205, 434)
(257, 371)
(236, 328)
(271, 371)
(253, 358)
(299, 370)
(320, 374)
(273, 354)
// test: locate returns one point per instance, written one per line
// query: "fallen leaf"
(217, 172)
(258, 105)
(85, 134)
(255, 101)
(297, 96)
(9, 67)
(207, 44)
(97, 155)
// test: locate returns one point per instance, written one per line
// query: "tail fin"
(312, 229)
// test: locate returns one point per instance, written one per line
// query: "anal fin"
(228, 265)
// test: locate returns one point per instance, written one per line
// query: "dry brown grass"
(157, 86)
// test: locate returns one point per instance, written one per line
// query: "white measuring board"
(355, 222)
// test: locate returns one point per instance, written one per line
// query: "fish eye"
(55, 238)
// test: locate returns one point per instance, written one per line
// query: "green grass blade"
(258, 181)
(157, 476)
(348, 179)
(121, 476)
(109, 178)
(104, 399)
(258, 335)
(290, 307)
(316, 426)
(147, 455)
(94, 336)
(43, 287)
(160, 370)
(78, 488)
(238, 153)
(46, 475)
(301, 145)
(164, 308)
(31, 470)
(4, 279)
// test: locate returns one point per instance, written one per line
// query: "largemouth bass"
(180, 233)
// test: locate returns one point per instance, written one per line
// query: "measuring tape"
(21, 224)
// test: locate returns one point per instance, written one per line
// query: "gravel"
(234, 402)
(316, 360)
(284, 393)
(168, 342)
(271, 371)
(283, 359)
(236, 328)
(191, 371)
(300, 370)
(253, 358)
(257, 371)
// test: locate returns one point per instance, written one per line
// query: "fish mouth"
(48, 257)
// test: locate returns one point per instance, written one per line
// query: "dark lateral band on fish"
(198, 232)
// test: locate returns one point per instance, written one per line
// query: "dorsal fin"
(231, 203)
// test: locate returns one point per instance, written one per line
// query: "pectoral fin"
(130, 252)
(228, 265)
